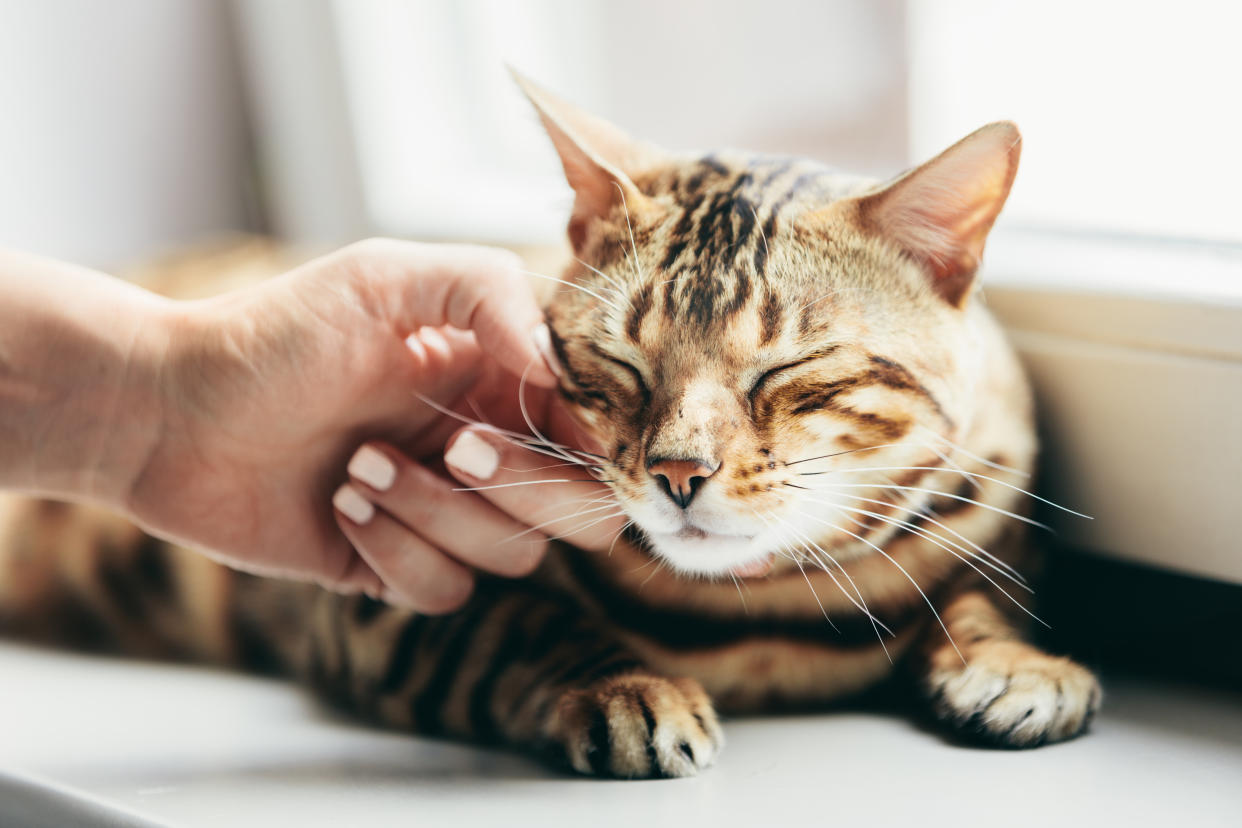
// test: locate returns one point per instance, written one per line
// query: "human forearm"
(80, 355)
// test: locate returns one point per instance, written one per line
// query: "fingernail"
(543, 344)
(352, 505)
(473, 455)
(373, 467)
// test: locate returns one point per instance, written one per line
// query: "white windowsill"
(188, 746)
(1135, 350)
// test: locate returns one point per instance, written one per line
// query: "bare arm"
(226, 424)
(79, 358)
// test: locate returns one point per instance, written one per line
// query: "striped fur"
(863, 413)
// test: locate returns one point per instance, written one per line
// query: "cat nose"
(681, 479)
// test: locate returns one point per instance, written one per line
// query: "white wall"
(121, 127)
(447, 147)
(1128, 110)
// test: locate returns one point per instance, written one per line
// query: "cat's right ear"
(597, 158)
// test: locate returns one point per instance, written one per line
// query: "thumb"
(479, 289)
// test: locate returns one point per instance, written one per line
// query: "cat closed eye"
(767, 376)
(629, 369)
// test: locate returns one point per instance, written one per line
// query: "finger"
(414, 573)
(479, 289)
(551, 493)
(462, 524)
(357, 577)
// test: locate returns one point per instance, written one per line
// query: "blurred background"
(135, 128)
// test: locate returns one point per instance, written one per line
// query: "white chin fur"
(709, 555)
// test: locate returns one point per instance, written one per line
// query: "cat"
(818, 432)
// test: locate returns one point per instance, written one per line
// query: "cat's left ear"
(597, 157)
(940, 213)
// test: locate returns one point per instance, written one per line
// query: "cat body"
(821, 438)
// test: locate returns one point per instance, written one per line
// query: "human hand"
(512, 495)
(265, 393)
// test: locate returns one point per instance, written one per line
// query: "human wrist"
(136, 427)
(79, 357)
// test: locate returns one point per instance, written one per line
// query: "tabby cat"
(819, 434)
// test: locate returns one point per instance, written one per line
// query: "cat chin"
(706, 554)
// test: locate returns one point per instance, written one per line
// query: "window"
(448, 147)
(1128, 109)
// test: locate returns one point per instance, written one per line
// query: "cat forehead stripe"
(716, 249)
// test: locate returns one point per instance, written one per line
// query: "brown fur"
(757, 313)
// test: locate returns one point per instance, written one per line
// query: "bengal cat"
(819, 434)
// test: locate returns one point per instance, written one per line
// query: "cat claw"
(637, 726)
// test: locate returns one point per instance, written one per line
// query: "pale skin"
(228, 424)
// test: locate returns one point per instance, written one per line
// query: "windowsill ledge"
(1135, 351)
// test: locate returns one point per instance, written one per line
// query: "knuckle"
(523, 559)
(447, 596)
(419, 495)
(372, 246)
(509, 266)
(498, 261)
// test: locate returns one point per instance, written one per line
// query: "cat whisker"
(839, 453)
(903, 571)
(619, 513)
(816, 301)
(617, 536)
(967, 474)
(581, 513)
(975, 457)
(738, 587)
(861, 607)
(587, 500)
(524, 483)
(530, 424)
(759, 226)
(539, 468)
(798, 563)
(525, 441)
(949, 495)
(1009, 570)
(579, 529)
(939, 540)
(477, 411)
(936, 539)
(946, 460)
(876, 624)
(616, 285)
(585, 290)
(638, 274)
(802, 571)
(660, 564)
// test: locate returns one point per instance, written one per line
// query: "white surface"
(195, 747)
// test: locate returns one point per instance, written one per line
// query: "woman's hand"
(422, 531)
(266, 394)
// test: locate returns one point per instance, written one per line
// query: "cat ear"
(597, 158)
(940, 213)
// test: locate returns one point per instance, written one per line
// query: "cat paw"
(637, 727)
(1010, 694)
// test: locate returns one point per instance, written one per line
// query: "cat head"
(740, 326)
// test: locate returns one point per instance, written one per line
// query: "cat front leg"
(997, 688)
(515, 666)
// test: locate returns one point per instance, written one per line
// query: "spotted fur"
(810, 339)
